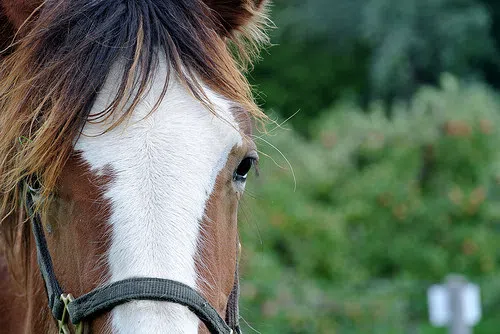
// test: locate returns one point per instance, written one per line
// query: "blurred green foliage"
(380, 208)
(326, 50)
(396, 170)
(415, 40)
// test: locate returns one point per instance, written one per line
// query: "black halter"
(67, 309)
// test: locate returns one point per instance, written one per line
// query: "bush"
(383, 207)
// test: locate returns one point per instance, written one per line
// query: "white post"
(456, 285)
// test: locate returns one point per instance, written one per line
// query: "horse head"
(135, 120)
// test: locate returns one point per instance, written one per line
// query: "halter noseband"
(66, 309)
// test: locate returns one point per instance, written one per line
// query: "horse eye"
(241, 173)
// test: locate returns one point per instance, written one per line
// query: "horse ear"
(233, 15)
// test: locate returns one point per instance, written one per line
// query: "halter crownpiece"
(66, 309)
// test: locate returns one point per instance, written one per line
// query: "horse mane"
(52, 75)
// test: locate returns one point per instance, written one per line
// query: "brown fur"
(217, 248)
(12, 302)
(17, 11)
(6, 31)
(235, 14)
(78, 240)
(79, 216)
(217, 252)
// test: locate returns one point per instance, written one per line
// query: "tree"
(414, 40)
(370, 49)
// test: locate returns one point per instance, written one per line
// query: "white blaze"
(165, 167)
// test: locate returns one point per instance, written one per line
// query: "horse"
(125, 145)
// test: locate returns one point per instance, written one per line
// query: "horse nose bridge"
(145, 317)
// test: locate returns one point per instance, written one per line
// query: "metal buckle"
(67, 298)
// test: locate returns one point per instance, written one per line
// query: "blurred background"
(382, 173)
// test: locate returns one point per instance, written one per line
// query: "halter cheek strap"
(67, 309)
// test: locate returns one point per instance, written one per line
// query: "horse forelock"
(49, 83)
